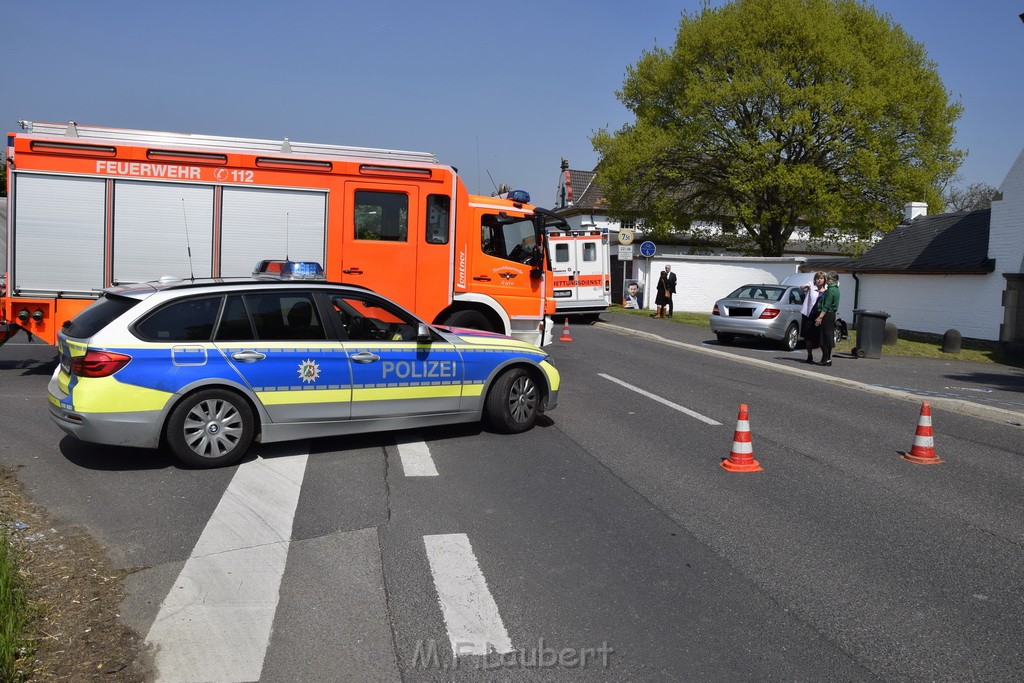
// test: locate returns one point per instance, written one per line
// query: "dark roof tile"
(943, 243)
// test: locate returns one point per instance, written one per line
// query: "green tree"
(769, 114)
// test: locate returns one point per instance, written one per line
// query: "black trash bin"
(870, 326)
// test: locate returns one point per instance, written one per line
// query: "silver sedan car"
(762, 311)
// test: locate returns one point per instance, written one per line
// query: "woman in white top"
(811, 333)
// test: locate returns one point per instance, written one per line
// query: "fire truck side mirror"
(536, 273)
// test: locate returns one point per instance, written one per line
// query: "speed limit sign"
(625, 236)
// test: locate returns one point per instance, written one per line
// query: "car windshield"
(758, 293)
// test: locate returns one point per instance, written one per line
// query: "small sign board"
(647, 249)
(625, 252)
(625, 236)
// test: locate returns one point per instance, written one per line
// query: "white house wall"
(936, 303)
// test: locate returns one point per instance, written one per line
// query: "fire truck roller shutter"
(155, 227)
(58, 244)
(259, 223)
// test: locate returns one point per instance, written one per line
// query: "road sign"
(647, 249)
(625, 236)
(625, 252)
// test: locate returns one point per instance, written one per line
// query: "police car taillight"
(98, 363)
(288, 270)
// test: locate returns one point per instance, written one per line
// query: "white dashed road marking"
(416, 460)
(215, 623)
(470, 613)
(659, 399)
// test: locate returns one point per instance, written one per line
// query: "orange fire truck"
(92, 207)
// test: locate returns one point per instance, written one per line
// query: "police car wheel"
(513, 402)
(210, 428)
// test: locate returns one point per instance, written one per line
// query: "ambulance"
(91, 208)
(580, 266)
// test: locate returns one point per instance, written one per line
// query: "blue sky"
(501, 88)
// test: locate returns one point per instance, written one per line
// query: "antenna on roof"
(496, 190)
(188, 242)
(287, 234)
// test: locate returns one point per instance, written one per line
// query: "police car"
(206, 367)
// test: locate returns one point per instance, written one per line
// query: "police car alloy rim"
(212, 428)
(522, 399)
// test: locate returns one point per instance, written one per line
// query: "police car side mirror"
(423, 333)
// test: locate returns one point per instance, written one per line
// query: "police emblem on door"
(309, 371)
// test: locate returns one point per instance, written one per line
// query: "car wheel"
(210, 428)
(513, 402)
(474, 320)
(791, 338)
(725, 338)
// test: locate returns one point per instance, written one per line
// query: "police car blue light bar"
(519, 196)
(289, 270)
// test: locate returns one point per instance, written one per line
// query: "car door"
(279, 343)
(393, 374)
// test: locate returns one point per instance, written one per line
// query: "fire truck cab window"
(382, 216)
(514, 240)
(438, 214)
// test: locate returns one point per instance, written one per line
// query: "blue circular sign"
(647, 249)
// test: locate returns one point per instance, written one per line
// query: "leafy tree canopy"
(769, 114)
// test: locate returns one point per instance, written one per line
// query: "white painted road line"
(659, 399)
(215, 623)
(416, 460)
(470, 613)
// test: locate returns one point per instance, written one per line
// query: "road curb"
(955, 405)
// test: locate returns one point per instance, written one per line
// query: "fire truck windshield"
(516, 240)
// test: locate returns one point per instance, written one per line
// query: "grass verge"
(14, 617)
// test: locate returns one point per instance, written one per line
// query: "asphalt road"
(605, 544)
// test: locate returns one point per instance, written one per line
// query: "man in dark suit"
(670, 280)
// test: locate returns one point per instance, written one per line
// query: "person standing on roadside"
(670, 284)
(827, 307)
(809, 331)
(664, 296)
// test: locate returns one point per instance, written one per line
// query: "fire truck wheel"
(210, 428)
(474, 320)
(512, 404)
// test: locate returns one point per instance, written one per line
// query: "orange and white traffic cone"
(565, 332)
(741, 459)
(923, 450)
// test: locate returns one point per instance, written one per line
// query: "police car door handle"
(364, 357)
(248, 356)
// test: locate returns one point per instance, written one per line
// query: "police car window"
(382, 216)
(182, 320)
(368, 319)
(438, 213)
(234, 323)
(285, 316)
(97, 316)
